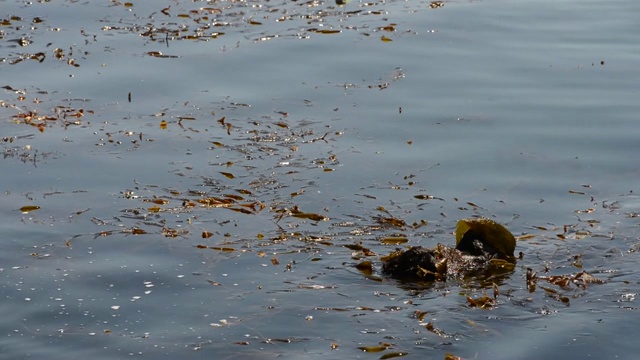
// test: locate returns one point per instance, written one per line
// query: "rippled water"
(168, 145)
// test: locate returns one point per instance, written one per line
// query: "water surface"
(522, 112)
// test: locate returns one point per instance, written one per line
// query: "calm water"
(524, 112)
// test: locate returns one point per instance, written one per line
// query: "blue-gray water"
(524, 112)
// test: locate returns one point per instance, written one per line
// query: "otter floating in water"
(482, 246)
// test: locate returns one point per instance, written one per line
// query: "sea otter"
(482, 246)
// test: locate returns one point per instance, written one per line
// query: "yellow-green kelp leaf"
(483, 302)
(365, 267)
(392, 355)
(310, 216)
(228, 175)
(394, 240)
(493, 236)
(449, 356)
(29, 208)
(375, 348)
(326, 31)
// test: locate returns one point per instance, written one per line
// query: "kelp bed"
(243, 236)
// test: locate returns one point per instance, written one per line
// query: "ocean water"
(168, 146)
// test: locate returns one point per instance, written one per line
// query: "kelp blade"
(490, 233)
